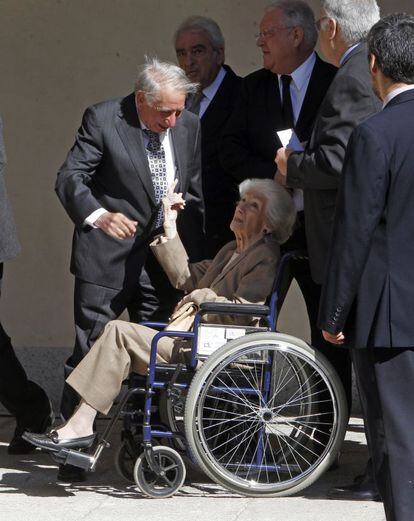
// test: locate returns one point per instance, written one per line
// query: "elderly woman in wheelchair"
(253, 419)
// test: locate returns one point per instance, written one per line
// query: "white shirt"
(165, 139)
(299, 85)
(210, 91)
(391, 95)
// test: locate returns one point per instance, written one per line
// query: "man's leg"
(94, 307)
(394, 468)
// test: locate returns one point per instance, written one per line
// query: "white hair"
(354, 17)
(155, 76)
(280, 210)
(297, 13)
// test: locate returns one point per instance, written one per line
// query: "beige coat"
(124, 347)
(247, 279)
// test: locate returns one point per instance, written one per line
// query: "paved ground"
(28, 491)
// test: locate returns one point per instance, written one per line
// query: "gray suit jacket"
(9, 245)
(348, 101)
(108, 167)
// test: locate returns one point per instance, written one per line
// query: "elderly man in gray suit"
(126, 154)
(23, 398)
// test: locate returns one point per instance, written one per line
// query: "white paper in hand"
(290, 140)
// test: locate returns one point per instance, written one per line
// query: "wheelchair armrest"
(222, 308)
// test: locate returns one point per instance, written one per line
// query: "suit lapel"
(179, 140)
(131, 135)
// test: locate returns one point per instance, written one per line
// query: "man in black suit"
(199, 45)
(349, 100)
(126, 154)
(286, 93)
(26, 400)
(368, 293)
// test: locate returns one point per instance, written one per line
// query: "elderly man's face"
(276, 43)
(197, 57)
(163, 113)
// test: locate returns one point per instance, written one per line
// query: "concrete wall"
(57, 57)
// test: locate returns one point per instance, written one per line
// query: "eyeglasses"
(264, 35)
(166, 113)
(318, 23)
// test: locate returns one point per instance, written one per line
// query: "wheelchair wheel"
(168, 481)
(265, 415)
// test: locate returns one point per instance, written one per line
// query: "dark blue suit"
(369, 288)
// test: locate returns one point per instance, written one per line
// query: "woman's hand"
(198, 296)
(172, 204)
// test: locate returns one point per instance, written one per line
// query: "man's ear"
(298, 35)
(373, 64)
(140, 97)
(332, 28)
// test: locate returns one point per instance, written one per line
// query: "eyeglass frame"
(264, 35)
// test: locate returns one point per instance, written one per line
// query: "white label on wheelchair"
(212, 336)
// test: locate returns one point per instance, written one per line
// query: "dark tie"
(287, 110)
(194, 102)
(158, 167)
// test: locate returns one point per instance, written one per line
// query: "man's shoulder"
(261, 77)
(323, 68)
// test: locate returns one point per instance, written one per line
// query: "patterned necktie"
(158, 167)
(287, 110)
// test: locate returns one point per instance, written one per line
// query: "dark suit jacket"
(220, 191)
(108, 167)
(349, 100)
(250, 143)
(9, 245)
(370, 278)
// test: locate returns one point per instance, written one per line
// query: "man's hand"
(337, 338)
(279, 178)
(282, 156)
(116, 225)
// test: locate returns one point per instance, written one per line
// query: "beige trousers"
(122, 348)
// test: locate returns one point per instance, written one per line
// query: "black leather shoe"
(41, 424)
(71, 474)
(51, 441)
(360, 490)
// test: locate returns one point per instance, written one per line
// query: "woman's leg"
(122, 348)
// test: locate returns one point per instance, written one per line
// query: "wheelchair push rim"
(265, 415)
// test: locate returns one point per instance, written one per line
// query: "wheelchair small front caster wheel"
(125, 457)
(170, 478)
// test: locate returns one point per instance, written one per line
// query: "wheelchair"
(264, 415)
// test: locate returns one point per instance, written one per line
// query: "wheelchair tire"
(265, 415)
(165, 485)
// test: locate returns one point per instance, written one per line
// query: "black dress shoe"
(71, 474)
(51, 441)
(360, 490)
(42, 423)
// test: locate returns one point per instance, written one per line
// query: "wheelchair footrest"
(75, 458)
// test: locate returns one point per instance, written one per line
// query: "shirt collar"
(210, 91)
(348, 52)
(391, 95)
(300, 76)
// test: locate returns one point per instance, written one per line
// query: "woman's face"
(250, 215)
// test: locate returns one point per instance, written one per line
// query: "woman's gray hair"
(156, 76)
(354, 17)
(280, 210)
(202, 23)
(297, 14)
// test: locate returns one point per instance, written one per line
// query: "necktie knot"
(154, 143)
(286, 79)
(195, 101)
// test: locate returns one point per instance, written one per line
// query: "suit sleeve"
(360, 207)
(236, 154)
(344, 107)
(74, 177)
(191, 222)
